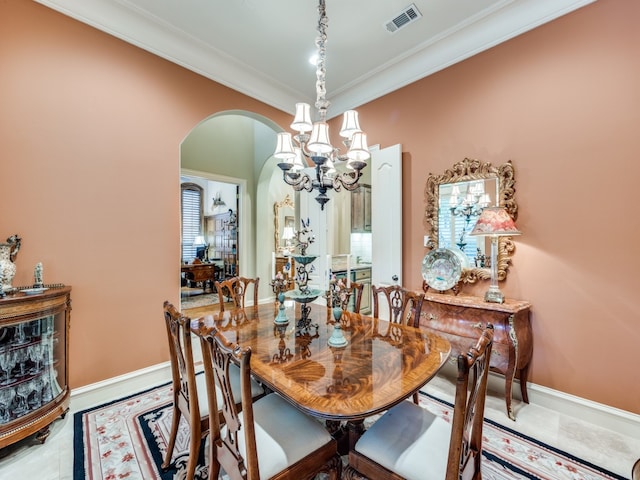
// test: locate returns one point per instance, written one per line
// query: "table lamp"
(201, 247)
(495, 222)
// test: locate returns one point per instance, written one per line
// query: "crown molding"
(121, 20)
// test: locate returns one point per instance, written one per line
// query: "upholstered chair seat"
(410, 441)
(284, 435)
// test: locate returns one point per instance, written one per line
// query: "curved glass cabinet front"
(32, 365)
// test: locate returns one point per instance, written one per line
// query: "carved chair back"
(185, 390)
(354, 291)
(235, 289)
(465, 446)
(404, 305)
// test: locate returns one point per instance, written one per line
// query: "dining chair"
(409, 442)
(404, 308)
(189, 390)
(355, 292)
(404, 305)
(267, 439)
(235, 288)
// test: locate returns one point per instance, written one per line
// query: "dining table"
(380, 365)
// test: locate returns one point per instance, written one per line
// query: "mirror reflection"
(284, 225)
(455, 200)
(459, 207)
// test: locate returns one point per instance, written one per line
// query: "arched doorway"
(236, 147)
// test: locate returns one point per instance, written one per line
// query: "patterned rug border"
(79, 470)
(592, 471)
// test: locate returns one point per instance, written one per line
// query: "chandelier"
(316, 146)
(468, 207)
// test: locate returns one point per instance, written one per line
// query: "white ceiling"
(261, 47)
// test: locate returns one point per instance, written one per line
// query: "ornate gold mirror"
(455, 200)
(284, 224)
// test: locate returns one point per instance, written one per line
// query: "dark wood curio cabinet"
(34, 374)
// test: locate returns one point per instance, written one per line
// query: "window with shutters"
(192, 218)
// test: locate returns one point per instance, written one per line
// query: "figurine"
(37, 276)
(8, 252)
(305, 234)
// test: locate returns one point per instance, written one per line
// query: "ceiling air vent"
(404, 18)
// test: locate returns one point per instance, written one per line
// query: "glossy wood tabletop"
(381, 365)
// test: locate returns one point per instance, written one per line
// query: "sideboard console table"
(459, 318)
(34, 352)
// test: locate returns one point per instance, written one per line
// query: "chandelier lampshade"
(302, 120)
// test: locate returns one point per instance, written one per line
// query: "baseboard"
(614, 419)
(120, 386)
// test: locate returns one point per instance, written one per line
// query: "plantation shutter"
(191, 205)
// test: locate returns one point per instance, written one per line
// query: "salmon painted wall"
(563, 103)
(90, 129)
(86, 119)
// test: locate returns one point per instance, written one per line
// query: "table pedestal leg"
(340, 434)
(355, 429)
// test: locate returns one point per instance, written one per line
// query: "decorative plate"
(464, 260)
(441, 269)
(33, 291)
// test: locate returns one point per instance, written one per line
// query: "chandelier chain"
(322, 104)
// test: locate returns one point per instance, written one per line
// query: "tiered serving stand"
(302, 294)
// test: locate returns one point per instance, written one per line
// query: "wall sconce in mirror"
(454, 202)
(494, 222)
(217, 202)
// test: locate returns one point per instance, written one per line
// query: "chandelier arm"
(299, 181)
(347, 180)
(306, 183)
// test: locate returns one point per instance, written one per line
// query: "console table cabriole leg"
(511, 371)
(524, 376)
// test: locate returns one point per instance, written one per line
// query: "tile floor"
(616, 452)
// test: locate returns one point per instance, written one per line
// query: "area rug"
(198, 301)
(128, 437)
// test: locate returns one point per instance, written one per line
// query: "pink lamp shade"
(495, 221)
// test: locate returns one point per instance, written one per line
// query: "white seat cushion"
(234, 378)
(284, 435)
(410, 441)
